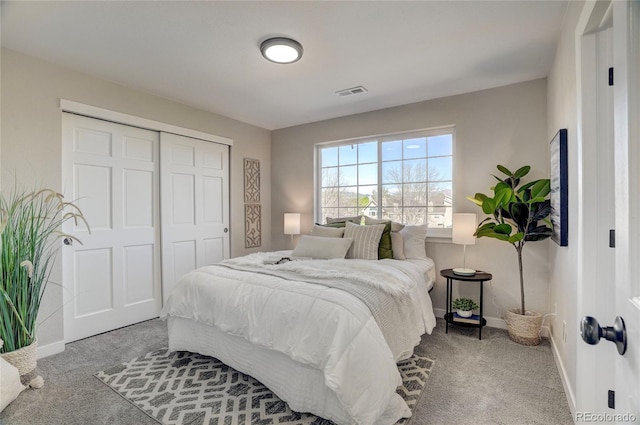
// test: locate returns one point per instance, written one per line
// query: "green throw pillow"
(385, 249)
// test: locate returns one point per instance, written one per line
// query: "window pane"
(440, 168)
(328, 212)
(329, 157)
(440, 145)
(441, 218)
(330, 177)
(348, 197)
(347, 212)
(415, 148)
(368, 152)
(414, 215)
(368, 174)
(348, 175)
(348, 155)
(330, 197)
(392, 150)
(392, 172)
(440, 194)
(414, 194)
(415, 170)
(367, 200)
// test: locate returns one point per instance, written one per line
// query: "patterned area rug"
(188, 388)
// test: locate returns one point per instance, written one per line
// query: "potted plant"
(29, 234)
(518, 213)
(465, 306)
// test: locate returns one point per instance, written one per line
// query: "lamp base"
(463, 271)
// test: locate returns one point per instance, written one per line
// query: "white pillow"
(10, 385)
(327, 232)
(398, 246)
(414, 241)
(365, 240)
(322, 248)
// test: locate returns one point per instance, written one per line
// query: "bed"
(323, 334)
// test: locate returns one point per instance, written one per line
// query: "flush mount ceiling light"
(281, 50)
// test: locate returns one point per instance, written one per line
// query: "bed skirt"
(300, 385)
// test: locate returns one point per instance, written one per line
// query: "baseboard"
(50, 349)
(493, 322)
(571, 398)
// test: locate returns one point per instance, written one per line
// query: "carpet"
(187, 388)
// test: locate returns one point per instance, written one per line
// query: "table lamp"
(464, 226)
(291, 224)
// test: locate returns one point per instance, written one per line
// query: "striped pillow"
(365, 240)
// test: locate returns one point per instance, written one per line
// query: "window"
(405, 177)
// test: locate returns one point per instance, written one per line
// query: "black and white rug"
(188, 388)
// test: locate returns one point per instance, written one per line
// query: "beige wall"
(31, 143)
(563, 261)
(506, 125)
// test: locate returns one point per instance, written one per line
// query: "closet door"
(195, 205)
(112, 279)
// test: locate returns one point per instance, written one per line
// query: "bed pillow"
(414, 241)
(385, 247)
(327, 231)
(10, 385)
(398, 246)
(356, 219)
(322, 248)
(395, 226)
(366, 240)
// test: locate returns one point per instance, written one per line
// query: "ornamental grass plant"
(30, 228)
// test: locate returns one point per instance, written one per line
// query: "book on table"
(474, 318)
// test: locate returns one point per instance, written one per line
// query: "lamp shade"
(291, 223)
(464, 226)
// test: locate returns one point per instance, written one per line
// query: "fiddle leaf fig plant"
(518, 213)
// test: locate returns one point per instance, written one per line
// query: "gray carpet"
(185, 388)
(488, 382)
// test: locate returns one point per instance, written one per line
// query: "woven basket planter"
(524, 329)
(25, 360)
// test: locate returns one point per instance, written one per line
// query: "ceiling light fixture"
(281, 50)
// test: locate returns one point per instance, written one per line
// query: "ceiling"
(206, 53)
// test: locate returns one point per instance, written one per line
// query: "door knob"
(68, 241)
(592, 332)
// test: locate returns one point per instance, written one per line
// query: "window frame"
(432, 232)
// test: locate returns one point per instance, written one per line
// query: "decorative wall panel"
(252, 207)
(252, 225)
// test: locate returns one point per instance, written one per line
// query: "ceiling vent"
(351, 91)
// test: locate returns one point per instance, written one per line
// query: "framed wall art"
(559, 188)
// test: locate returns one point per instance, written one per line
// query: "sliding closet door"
(195, 205)
(112, 279)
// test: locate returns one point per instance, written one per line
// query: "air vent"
(351, 91)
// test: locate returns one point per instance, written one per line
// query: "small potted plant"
(465, 306)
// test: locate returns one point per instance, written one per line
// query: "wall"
(505, 125)
(31, 143)
(563, 261)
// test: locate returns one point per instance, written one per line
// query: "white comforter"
(320, 326)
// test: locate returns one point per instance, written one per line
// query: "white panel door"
(113, 278)
(195, 205)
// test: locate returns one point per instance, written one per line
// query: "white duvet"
(283, 308)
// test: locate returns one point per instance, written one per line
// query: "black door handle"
(592, 332)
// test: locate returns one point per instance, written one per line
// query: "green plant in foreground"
(518, 214)
(29, 235)
(464, 304)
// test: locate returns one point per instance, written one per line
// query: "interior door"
(626, 43)
(609, 375)
(112, 279)
(195, 205)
